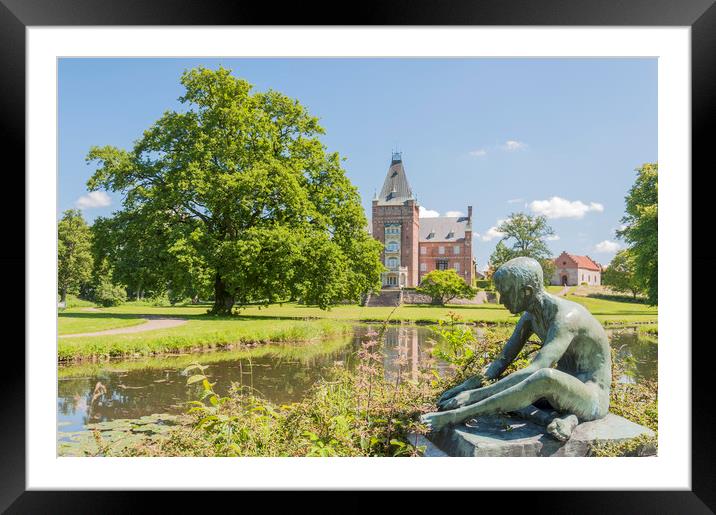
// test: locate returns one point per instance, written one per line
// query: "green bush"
(108, 294)
(444, 285)
(484, 284)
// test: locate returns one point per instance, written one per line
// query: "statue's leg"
(536, 415)
(559, 426)
(565, 392)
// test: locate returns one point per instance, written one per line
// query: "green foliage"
(527, 235)
(74, 256)
(485, 284)
(444, 285)
(235, 192)
(620, 276)
(109, 294)
(455, 343)
(641, 230)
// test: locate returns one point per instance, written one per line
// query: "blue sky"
(559, 137)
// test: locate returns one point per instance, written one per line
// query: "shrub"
(108, 294)
(444, 285)
(484, 284)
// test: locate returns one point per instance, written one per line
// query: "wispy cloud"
(480, 152)
(427, 213)
(511, 145)
(554, 237)
(515, 200)
(93, 199)
(557, 207)
(607, 247)
(454, 213)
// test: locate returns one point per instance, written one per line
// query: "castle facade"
(414, 246)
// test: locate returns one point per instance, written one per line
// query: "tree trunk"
(63, 296)
(223, 299)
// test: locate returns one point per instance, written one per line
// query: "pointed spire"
(396, 189)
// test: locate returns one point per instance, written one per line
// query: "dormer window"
(451, 234)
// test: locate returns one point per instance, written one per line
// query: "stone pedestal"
(509, 435)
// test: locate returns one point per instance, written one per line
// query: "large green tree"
(74, 255)
(246, 195)
(619, 275)
(524, 235)
(641, 229)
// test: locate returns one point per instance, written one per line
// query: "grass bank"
(304, 352)
(198, 335)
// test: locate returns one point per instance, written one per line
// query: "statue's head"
(518, 281)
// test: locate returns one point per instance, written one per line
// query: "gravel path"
(151, 324)
(564, 291)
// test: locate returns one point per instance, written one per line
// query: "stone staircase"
(389, 297)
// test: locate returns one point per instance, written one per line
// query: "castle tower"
(396, 225)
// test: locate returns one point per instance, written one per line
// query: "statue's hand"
(491, 371)
(458, 401)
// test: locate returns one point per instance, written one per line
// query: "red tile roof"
(585, 262)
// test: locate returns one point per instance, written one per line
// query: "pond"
(132, 389)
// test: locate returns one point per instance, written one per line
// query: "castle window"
(423, 250)
(441, 250)
(457, 266)
(423, 267)
(442, 264)
(392, 246)
(393, 263)
(456, 249)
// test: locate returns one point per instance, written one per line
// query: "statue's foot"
(437, 421)
(561, 428)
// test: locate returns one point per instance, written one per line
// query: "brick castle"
(415, 246)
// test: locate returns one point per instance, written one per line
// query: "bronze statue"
(572, 339)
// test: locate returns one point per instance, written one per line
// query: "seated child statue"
(572, 370)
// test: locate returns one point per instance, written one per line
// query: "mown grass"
(198, 335)
(77, 320)
(603, 310)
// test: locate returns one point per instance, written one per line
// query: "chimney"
(469, 213)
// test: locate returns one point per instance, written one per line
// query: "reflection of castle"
(414, 246)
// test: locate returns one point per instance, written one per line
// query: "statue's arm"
(522, 332)
(554, 347)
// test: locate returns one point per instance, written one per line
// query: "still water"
(90, 393)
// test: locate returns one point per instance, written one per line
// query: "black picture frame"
(700, 15)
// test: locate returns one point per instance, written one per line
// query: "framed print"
(251, 294)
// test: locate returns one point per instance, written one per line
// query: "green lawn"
(76, 320)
